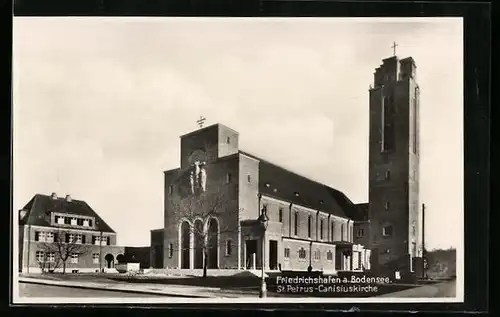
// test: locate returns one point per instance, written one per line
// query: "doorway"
(109, 260)
(273, 254)
(251, 248)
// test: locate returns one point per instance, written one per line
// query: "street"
(37, 290)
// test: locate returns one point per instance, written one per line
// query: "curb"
(112, 290)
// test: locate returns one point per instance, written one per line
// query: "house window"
(387, 231)
(296, 223)
(387, 205)
(317, 255)
(387, 175)
(287, 253)
(321, 229)
(67, 220)
(40, 256)
(70, 238)
(309, 225)
(249, 178)
(97, 240)
(329, 255)
(79, 221)
(280, 214)
(302, 253)
(86, 223)
(60, 220)
(51, 257)
(361, 233)
(74, 258)
(228, 178)
(90, 223)
(170, 250)
(78, 238)
(37, 235)
(73, 221)
(387, 125)
(228, 140)
(49, 237)
(95, 258)
(228, 247)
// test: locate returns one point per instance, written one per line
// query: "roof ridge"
(290, 171)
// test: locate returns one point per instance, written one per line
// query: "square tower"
(394, 165)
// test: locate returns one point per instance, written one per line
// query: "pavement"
(153, 289)
(443, 289)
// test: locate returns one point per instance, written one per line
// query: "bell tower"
(394, 165)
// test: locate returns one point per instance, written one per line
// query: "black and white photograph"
(237, 160)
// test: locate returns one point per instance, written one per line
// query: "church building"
(216, 200)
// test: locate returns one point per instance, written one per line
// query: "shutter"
(37, 236)
(83, 238)
(67, 237)
(56, 237)
(108, 241)
(93, 239)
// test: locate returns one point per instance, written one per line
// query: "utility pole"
(424, 273)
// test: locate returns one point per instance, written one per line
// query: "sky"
(99, 105)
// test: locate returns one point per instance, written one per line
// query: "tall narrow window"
(296, 223)
(415, 121)
(387, 205)
(229, 249)
(170, 250)
(387, 125)
(342, 229)
(170, 190)
(332, 231)
(321, 229)
(280, 214)
(228, 178)
(309, 225)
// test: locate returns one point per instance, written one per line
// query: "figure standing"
(203, 176)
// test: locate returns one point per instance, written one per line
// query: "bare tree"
(64, 246)
(199, 210)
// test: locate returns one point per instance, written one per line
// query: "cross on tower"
(394, 45)
(200, 121)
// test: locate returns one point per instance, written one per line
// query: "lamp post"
(264, 221)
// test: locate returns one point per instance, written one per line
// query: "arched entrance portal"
(109, 260)
(198, 244)
(120, 258)
(185, 235)
(213, 244)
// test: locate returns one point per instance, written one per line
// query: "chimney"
(53, 196)
(68, 198)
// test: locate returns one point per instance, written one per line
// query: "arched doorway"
(185, 235)
(198, 244)
(109, 260)
(120, 258)
(213, 243)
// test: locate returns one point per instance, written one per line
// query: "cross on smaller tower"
(394, 45)
(201, 121)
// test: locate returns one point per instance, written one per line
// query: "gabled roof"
(40, 207)
(281, 183)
